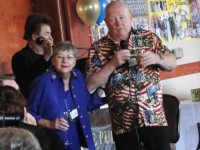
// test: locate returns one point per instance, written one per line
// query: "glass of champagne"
(65, 115)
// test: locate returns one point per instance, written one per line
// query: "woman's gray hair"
(18, 139)
(65, 46)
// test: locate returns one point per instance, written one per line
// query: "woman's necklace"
(66, 84)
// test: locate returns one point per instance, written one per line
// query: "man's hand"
(120, 57)
(149, 58)
(48, 50)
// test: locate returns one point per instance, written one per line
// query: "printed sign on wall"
(171, 20)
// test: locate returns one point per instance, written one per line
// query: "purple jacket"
(46, 100)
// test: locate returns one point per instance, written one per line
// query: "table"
(189, 117)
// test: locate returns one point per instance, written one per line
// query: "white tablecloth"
(189, 117)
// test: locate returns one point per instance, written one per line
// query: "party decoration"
(103, 4)
(88, 11)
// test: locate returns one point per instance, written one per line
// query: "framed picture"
(195, 94)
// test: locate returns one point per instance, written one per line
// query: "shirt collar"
(55, 74)
(130, 42)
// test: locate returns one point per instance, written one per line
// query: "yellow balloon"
(88, 11)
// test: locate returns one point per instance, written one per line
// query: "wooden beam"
(182, 70)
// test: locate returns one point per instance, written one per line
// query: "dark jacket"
(26, 66)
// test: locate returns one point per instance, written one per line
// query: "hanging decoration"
(88, 11)
(103, 4)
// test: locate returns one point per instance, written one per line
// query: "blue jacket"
(46, 100)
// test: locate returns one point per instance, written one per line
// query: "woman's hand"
(58, 123)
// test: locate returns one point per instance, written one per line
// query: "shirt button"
(81, 116)
(83, 126)
(72, 87)
(74, 96)
(86, 136)
(78, 106)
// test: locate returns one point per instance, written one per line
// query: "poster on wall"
(171, 20)
(195, 95)
(140, 12)
(195, 15)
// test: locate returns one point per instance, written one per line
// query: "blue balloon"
(103, 4)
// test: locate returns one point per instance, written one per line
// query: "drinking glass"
(65, 115)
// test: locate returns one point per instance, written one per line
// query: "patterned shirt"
(134, 90)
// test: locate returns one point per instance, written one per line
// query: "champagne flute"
(65, 115)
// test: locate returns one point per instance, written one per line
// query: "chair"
(171, 107)
(198, 126)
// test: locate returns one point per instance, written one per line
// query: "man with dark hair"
(32, 60)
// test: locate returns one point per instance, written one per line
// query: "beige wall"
(181, 86)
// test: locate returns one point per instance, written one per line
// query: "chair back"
(198, 126)
(171, 106)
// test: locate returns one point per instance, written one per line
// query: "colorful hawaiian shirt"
(134, 90)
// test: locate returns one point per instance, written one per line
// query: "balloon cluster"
(91, 11)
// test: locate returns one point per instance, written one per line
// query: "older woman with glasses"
(59, 99)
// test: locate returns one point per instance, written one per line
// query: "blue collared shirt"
(46, 100)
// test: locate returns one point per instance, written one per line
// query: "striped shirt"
(135, 90)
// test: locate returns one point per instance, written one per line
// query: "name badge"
(73, 114)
